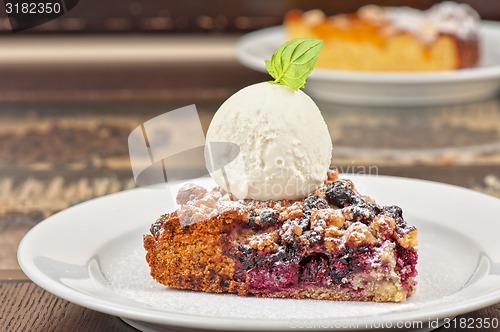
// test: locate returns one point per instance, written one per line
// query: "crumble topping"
(359, 234)
(265, 241)
(335, 215)
(190, 192)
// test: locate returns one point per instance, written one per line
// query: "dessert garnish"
(294, 61)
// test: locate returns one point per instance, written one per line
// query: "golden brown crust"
(191, 258)
(383, 292)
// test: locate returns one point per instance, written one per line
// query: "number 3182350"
(33, 8)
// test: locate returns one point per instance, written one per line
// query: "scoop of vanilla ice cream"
(284, 144)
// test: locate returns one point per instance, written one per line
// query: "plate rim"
(452, 76)
(227, 323)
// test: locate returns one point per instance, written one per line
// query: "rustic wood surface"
(65, 141)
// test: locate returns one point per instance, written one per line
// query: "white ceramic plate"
(91, 254)
(384, 89)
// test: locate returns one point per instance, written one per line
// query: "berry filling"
(280, 271)
(299, 256)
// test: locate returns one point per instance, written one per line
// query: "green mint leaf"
(294, 61)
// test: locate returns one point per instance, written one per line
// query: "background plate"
(384, 89)
(91, 254)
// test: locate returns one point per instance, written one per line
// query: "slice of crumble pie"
(335, 244)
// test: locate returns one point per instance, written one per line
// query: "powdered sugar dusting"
(444, 268)
(446, 17)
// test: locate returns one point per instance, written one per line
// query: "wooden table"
(54, 121)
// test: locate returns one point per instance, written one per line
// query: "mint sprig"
(294, 61)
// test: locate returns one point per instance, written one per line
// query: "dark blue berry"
(314, 268)
(313, 236)
(339, 267)
(269, 218)
(397, 214)
(394, 211)
(266, 218)
(349, 261)
(252, 216)
(289, 254)
(315, 202)
(340, 193)
(363, 212)
(155, 228)
(248, 257)
(246, 249)
(305, 223)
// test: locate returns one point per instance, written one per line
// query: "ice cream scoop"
(284, 144)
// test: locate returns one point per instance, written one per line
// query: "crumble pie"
(335, 244)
